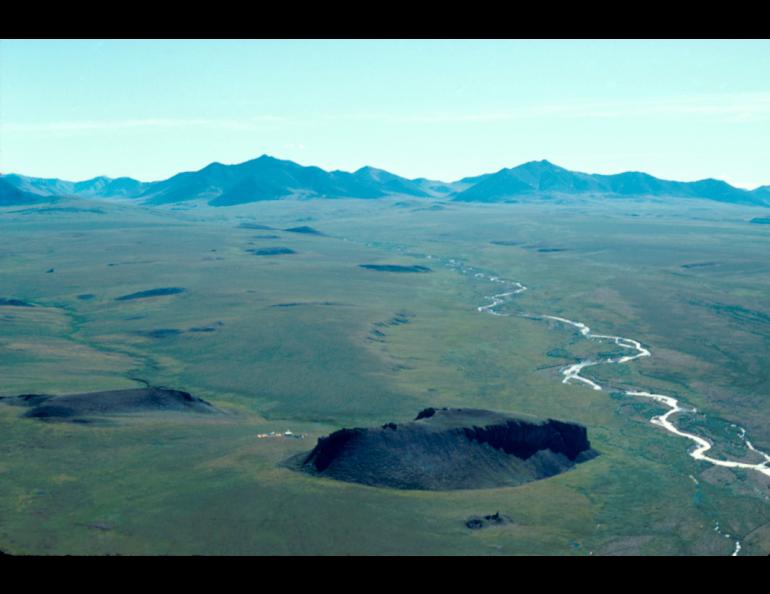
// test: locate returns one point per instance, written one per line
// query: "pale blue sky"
(441, 109)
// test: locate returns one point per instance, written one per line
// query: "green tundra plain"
(307, 340)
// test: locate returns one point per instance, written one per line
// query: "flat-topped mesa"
(450, 449)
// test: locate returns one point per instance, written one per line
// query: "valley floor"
(286, 330)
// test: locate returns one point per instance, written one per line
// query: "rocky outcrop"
(495, 519)
(449, 449)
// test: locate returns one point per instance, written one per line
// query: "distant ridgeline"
(268, 178)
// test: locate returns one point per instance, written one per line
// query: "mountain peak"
(373, 173)
(542, 165)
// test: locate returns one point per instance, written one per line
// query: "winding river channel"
(573, 373)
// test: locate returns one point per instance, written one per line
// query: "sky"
(682, 110)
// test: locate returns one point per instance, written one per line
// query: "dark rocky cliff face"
(450, 449)
(329, 448)
(524, 439)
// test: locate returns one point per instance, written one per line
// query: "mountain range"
(268, 178)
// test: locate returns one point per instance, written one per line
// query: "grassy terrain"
(312, 342)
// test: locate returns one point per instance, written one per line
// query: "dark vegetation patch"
(271, 251)
(14, 302)
(102, 526)
(495, 519)
(559, 353)
(58, 209)
(377, 333)
(172, 332)
(152, 293)
(435, 207)
(699, 264)
(737, 313)
(543, 249)
(266, 237)
(445, 449)
(301, 303)
(162, 332)
(761, 220)
(304, 229)
(86, 296)
(509, 242)
(395, 268)
(255, 226)
(79, 408)
(208, 327)
(131, 262)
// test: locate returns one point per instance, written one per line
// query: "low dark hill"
(271, 251)
(761, 220)
(449, 449)
(79, 407)
(305, 230)
(162, 292)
